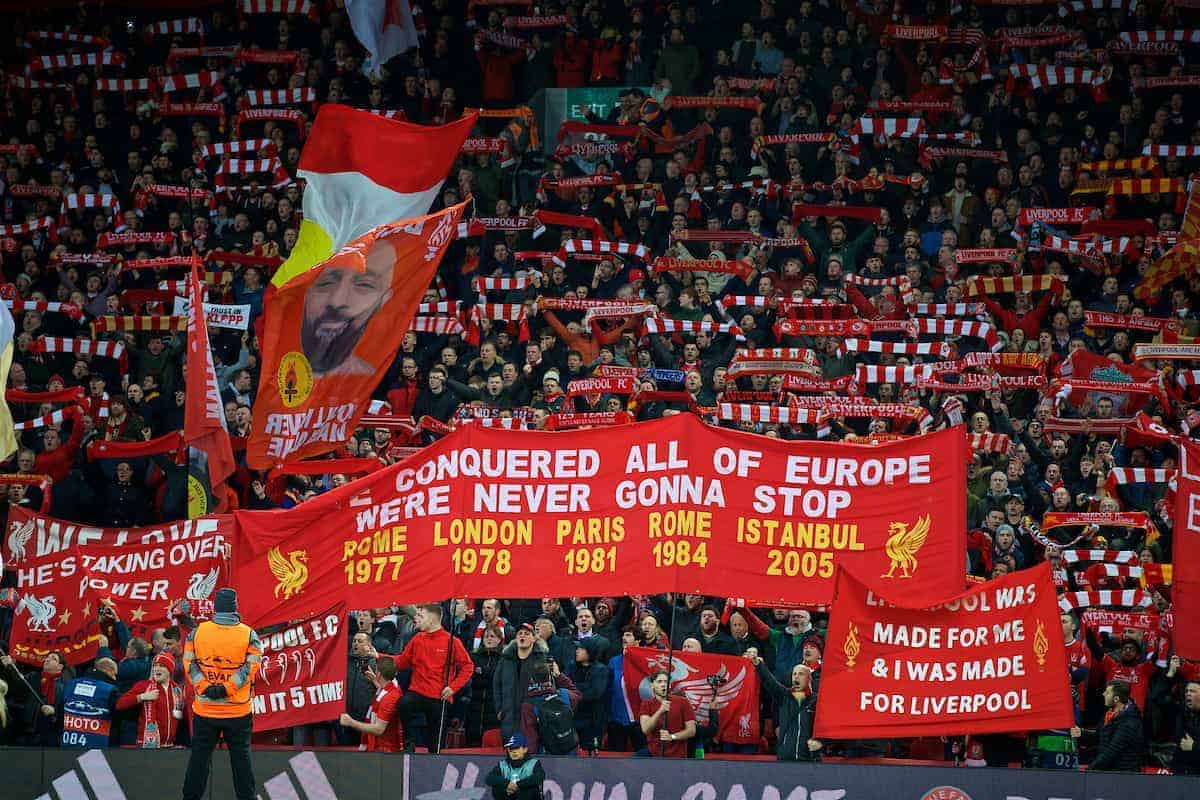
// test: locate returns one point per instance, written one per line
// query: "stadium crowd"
(808, 218)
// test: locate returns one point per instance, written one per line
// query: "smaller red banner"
(990, 660)
(302, 679)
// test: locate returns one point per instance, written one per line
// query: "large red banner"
(63, 569)
(1186, 573)
(302, 678)
(331, 333)
(989, 660)
(695, 675)
(669, 505)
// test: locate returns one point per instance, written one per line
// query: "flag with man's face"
(331, 334)
(364, 170)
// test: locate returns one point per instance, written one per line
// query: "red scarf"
(49, 682)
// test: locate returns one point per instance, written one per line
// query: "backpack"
(556, 725)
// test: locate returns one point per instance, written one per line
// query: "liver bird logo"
(902, 546)
(290, 572)
(200, 586)
(19, 538)
(41, 611)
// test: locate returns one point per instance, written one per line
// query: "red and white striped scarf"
(206, 79)
(303, 7)
(948, 309)
(747, 301)
(573, 246)
(1068, 7)
(46, 307)
(1181, 35)
(34, 190)
(891, 127)
(1098, 572)
(257, 98)
(1086, 245)
(1172, 150)
(866, 374)
(175, 27)
(124, 85)
(1078, 556)
(772, 415)
(108, 58)
(1074, 425)
(1121, 476)
(177, 53)
(441, 326)
(897, 412)
(24, 228)
(86, 258)
(664, 325)
(23, 82)
(74, 202)
(941, 349)
(71, 37)
(960, 327)
(53, 418)
(1104, 597)
(83, 347)
(215, 149)
(485, 284)
(251, 166)
(990, 442)
(444, 307)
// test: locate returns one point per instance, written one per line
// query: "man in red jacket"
(57, 458)
(440, 669)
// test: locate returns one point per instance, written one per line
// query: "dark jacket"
(721, 644)
(1188, 724)
(511, 682)
(360, 692)
(528, 774)
(592, 681)
(1122, 745)
(481, 710)
(795, 718)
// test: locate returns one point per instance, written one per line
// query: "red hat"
(164, 660)
(816, 642)
(56, 377)
(636, 275)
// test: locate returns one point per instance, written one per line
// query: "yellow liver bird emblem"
(902, 546)
(290, 572)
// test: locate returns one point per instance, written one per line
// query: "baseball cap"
(516, 740)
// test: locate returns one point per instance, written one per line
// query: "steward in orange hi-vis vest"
(222, 659)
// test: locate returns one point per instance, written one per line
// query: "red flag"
(990, 660)
(737, 687)
(1186, 573)
(302, 678)
(332, 331)
(204, 413)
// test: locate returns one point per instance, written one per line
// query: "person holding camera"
(360, 689)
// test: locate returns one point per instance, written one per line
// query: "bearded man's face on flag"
(337, 308)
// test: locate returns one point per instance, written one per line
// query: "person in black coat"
(796, 713)
(1122, 744)
(481, 710)
(591, 677)
(1187, 732)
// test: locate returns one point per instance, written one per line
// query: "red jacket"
(57, 463)
(571, 63)
(401, 398)
(167, 711)
(1031, 321)
(497, 69)
(426, 657)
(606, 61)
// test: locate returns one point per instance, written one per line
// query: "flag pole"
(445, 679)
(662, 746)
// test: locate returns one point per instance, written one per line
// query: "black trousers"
(410, 706)
(206, 732)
